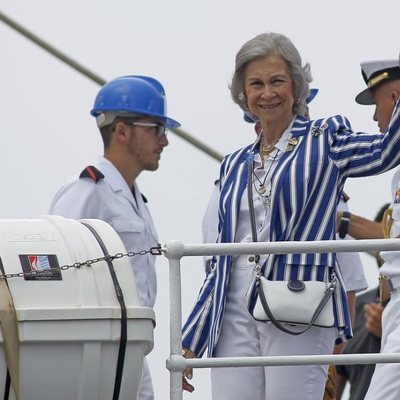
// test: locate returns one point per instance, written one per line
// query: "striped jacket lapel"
(232, 190)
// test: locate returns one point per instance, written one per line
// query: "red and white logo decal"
(39, 263)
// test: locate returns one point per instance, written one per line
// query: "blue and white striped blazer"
(306, 186)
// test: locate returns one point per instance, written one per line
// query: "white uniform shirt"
(391, 267)
(350, 263)
(111, 200)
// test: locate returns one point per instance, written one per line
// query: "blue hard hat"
(131, 95)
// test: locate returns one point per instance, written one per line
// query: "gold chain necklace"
(267, 149)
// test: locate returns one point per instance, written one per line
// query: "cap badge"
(374, 81)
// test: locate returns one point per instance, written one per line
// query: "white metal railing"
(175, 250)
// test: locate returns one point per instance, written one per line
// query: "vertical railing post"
(175, 363)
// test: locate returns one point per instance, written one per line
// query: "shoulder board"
(91, 172)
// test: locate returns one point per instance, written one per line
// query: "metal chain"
(155, 251)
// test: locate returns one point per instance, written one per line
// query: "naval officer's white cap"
(375, 73)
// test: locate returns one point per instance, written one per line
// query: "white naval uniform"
(111, 200)
(350, 263)
(385, 383)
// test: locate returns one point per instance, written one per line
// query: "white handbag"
(294, 302)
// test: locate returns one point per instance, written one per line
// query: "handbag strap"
(251, 206)
(328, 293)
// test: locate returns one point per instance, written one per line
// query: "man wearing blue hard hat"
(130, 112)
(383, 80)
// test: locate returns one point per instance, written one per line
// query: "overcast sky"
(190, 46)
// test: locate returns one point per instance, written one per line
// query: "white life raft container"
(69, 320)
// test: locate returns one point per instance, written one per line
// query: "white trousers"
(241, 335)
(385, 383)
(146, 385)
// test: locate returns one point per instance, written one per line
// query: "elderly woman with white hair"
(283, 187)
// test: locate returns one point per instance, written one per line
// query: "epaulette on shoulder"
(92, 173)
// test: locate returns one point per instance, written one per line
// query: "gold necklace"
(266, 150)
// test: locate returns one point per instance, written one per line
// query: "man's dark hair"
(107, 131)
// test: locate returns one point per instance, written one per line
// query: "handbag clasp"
(296, 285)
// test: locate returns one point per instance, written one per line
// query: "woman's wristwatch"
(344, 224)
